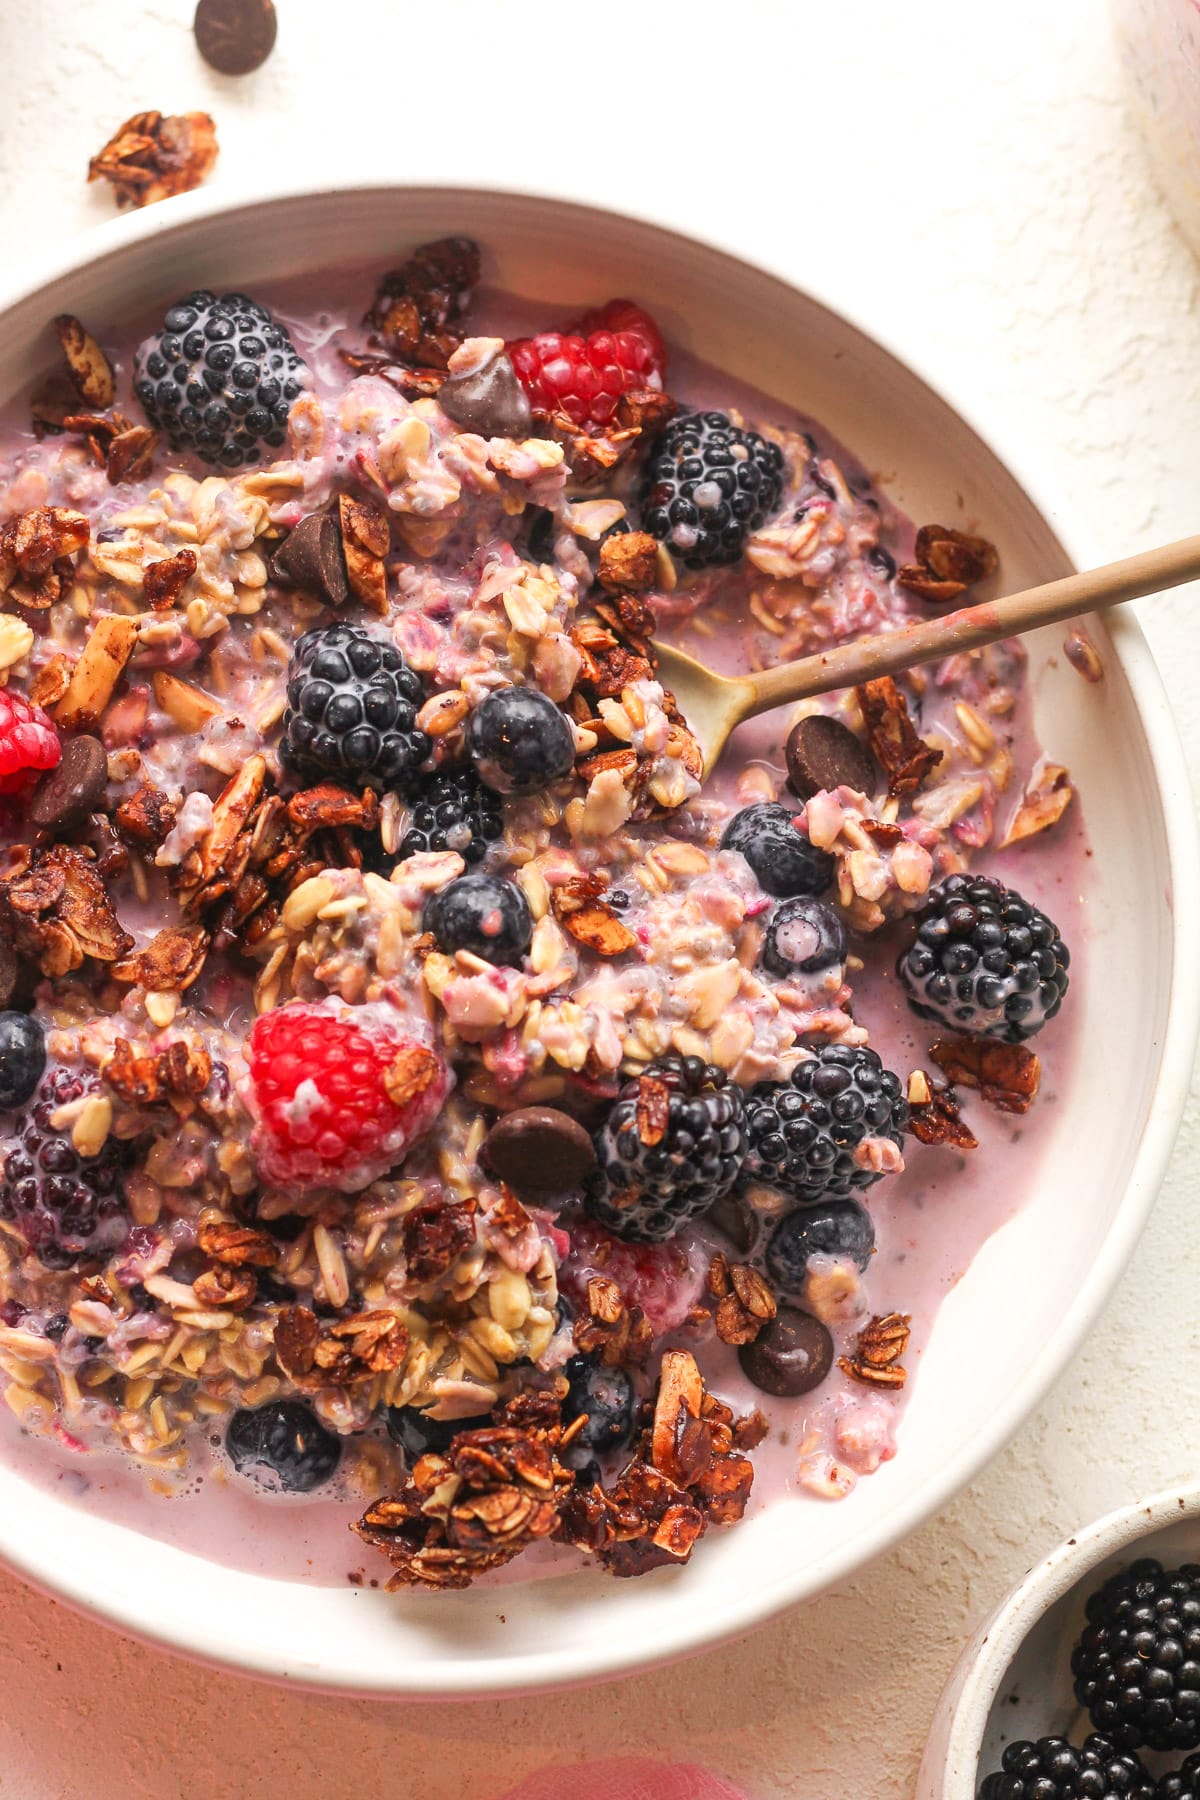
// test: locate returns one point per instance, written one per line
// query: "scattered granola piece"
(905, 758)
(935, 1118)
(418, 306)
(948, 563)
(435, 1236)
(877, 1352)
(61, 912)
(629, 563)
(179, 1071)
(1006, 1075)
(366, 540)
(145, 817)
(616, 1333)
(745, 1300)
(36, 551)
(151, 157)
(90, 370)
(1045, 801)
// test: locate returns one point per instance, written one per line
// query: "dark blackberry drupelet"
(484, 914)
(984, 961)
(1053, 1769)
(283, 1445)
(804, 1132)
(1137, 1662)
(352, 709)
(1182, 1783)
(65, 1206)
(842, 1228)
(784, 860)
(520, 741)
(666, 1156)
(452, 810)
(219, 378)
(706, 486)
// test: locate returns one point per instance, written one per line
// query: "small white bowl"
(1057, 1259)
(1013, 1680)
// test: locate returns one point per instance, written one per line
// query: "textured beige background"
(965, 176)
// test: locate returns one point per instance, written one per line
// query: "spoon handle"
(1149, 572)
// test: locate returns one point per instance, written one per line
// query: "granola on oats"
(412, 1100)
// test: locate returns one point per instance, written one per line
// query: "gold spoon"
(714, 705)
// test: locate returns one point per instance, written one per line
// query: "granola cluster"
(171, 879)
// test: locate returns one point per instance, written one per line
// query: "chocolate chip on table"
(489, 400)
(312, 557)
(541, 1153)
(67, 794)
(791, 1355)
(235, 37)
(823, 754)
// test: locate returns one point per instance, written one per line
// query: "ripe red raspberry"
(665, 1280)
(28, 741)
(318, 1092)
(583, 372)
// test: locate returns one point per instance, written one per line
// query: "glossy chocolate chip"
(489, 400)
(311, 557)
(823, 754)
(541, 1153)
(235, 37)
(792, 1355)
(67, 794)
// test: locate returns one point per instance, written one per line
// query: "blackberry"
(352, 709)
(414, 1432)
(654, 1173)
(606, 1399)
(22, 1057)
(65, 1206)
(803, 937)
(1053, 1769)
(707, 485)
(283, 1445)
(520, 741)
(219, 378)
(481, 913)
(781, 855)
(804, 1132)
(830, 1228)
(984, 961)
(1182, 1783)
(1137, 1663)
(452, 810)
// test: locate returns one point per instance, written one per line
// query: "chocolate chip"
(489, 400)
(823, 754)
(792, 1355)
(235, 36)
(66, 795)
(311, 557)
(541, 1153)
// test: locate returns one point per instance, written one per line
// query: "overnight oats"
(434, 1105)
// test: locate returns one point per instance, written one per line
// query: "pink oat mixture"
(219, 886)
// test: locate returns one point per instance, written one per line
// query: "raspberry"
(28, 741)
(665, 1280)
(584, 372)
(324, 1115)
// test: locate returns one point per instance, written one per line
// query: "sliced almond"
(91, 371)
(190, 707)
(97, 672)
(680, 1395)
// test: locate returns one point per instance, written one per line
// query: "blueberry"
(780, 854)
(803, 937)
(283, 1445)
(419, 1435)
(830, 1228)
(520, 741)
(483, 914)
(605, 1397)
(22, 1057)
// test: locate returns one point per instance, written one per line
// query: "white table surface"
(965, 177)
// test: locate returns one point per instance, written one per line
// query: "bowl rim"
(606, 1659)
(977, 1679)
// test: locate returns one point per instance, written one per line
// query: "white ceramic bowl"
(1061, 1257)
(1013, 1680)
